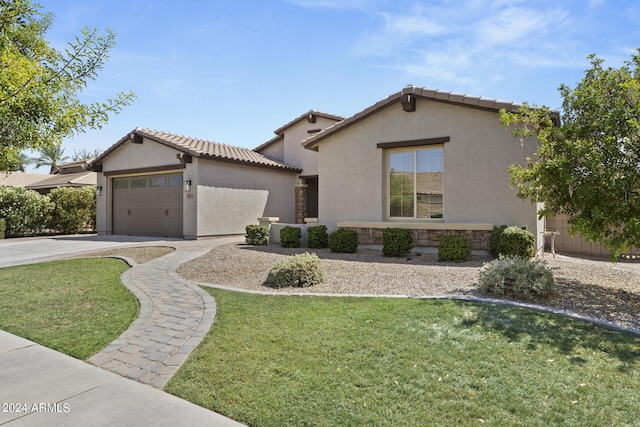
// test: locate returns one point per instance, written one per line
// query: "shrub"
(518, 278)
(26, 212)
(74, 209)
(396, 242)
(3, 227)
(300, 271)
(290, 237)
(452, 247)
(257, 235)
(343, 240)
(317, 237)
(511, 241)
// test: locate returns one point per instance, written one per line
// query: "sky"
(233, 71)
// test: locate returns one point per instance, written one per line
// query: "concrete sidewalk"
(39, 386)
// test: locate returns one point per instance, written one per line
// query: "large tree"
(588, 165)
(40, 85)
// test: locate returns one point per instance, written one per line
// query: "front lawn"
(74, 306)
(326, 361)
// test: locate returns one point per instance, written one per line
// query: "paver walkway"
(175, 315)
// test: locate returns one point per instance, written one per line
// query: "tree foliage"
(85, 154)
(52, 156)
(588, 166)
(40, 85)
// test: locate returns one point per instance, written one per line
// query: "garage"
(148, 205)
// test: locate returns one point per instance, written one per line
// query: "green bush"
(257, 235)
(26, 212)
(453, 247)
(74, 209)
(290, 237)
(511, 241)
(300, 271)
(396, 242)
(317, 237)
(343, 240)
(518, 278)
(3, 227)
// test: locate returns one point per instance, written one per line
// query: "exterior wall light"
(98, 190)
(187, 185)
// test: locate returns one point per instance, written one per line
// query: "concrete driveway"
(38, 249)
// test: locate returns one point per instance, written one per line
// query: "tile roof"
(21, 179)
(280, 130)
(202, 148)
(430, 94)
(76, 179)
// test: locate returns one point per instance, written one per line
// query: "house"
(431, 161)
(20, 179)
(73, 174)
(160, 184)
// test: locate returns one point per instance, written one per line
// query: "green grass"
(75, 306)
(278, 361)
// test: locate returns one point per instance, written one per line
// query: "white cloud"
(472, 42)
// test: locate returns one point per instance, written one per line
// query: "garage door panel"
(148, 205)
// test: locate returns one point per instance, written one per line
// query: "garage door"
(148, 205)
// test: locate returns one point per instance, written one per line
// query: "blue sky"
(233, 71)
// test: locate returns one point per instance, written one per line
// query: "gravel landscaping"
(601, 289)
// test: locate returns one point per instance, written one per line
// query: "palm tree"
(52, 156)
(19, 163)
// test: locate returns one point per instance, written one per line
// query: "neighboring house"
(74, 174)
(430, 161)
(20, 179)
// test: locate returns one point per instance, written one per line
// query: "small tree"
(588, 167)
(40, 85)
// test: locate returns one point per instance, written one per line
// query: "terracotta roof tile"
(432, 94)
(202, 148)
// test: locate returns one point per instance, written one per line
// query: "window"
(415, 183)
(157, 181)
(120, 183)
(138, 182)
(175, 180)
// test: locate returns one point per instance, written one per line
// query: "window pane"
(401, 192)
(121, 183)
(157, 181)
(138, 182)
(175, 180)
(429, 183)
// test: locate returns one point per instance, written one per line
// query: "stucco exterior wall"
(353, 172)
(135, 156)
(224, 211)
(275, 150)
(244, 193)
(294, 153)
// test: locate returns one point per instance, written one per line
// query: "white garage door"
(148, 205)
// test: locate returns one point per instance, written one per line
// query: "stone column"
(301, 202)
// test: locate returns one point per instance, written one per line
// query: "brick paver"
(175, 315)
